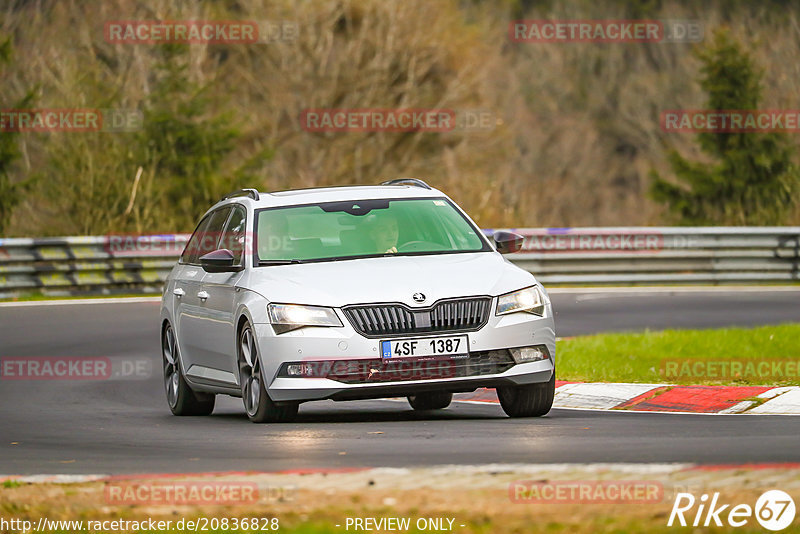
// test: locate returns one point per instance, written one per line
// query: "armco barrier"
(74, 265)
(650, 255)
(575, 256)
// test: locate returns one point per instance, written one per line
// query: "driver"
(384, 233)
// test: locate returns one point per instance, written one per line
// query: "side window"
(233, 237)
(189, 254)
(206, 236)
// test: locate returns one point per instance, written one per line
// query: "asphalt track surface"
(124, 426)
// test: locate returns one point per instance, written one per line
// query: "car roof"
(333, 194)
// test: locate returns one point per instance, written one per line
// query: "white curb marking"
(598, 396)
(783, 401)
(68, 302)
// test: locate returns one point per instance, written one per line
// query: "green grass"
(10, 483)
(671, 355)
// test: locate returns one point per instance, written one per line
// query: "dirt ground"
(479, 499)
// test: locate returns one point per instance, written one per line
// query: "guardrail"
(76, 265)
(574, 256)
(673, 255)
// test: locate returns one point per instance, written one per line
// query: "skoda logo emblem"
(418, 297)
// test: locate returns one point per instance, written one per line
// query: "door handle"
(203, 295)
(178, 292)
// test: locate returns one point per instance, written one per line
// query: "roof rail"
(407, 181)
(252, 193)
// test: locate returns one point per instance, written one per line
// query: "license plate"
(433, 346)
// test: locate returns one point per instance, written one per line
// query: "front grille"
(397, 319)
(378, 371)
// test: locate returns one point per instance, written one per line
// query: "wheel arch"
(240, 322)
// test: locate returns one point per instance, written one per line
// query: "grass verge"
(768, 355)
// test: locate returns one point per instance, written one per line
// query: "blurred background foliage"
(577, 140)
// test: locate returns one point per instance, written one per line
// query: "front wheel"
(257, 404)
(181, 398)
(531, 400)
(435, 400)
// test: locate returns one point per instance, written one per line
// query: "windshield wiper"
(265, 263)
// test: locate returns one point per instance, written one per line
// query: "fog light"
(529, 354)
(300, 369)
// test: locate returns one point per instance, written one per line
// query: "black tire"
(257, 404)
(181, 399)
(532, 400)
(435, 400)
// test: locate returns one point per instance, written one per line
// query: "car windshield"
(351, 229)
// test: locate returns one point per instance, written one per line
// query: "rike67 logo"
(774, 510)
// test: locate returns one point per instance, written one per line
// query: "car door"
(188, 292)
(184, 288)
(218, 308)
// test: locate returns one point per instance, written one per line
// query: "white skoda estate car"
(349, 293)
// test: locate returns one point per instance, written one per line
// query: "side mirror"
(219, 261)
(508, 242)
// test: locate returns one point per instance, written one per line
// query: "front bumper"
(315, 343)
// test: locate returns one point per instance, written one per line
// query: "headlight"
(285, 317)
(529, 300)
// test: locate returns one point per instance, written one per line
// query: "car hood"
(388, 279)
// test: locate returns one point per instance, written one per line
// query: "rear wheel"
(435, 400)
(532, 400)
(181, 398)
(257, 404)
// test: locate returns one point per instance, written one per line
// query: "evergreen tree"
(752, 178)
(184, 140)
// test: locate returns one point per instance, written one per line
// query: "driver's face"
(385, 233)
